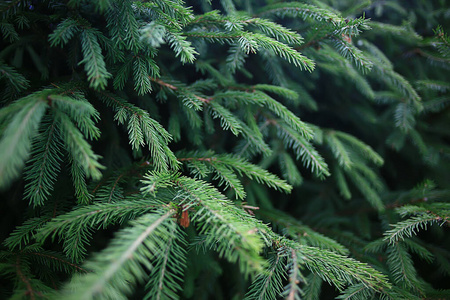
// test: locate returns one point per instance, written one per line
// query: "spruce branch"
(339, 270)
(64, 32)
(221, 223)
(297, 9)
(17, 80)
(142, 130)
(401, 266)
(24, 233)
(44, 166)
(303, 149)
(129, 254)
(79, 149)
(76, 226)
(16, 138)
(411, 226)
(223, 164)
(93, 60)
(268, 285)
(292, 290)
(123, 26)
(167, 272)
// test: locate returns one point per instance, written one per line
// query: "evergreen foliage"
(224, 149)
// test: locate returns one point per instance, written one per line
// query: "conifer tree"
(224, 149)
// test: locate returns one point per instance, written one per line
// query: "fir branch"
(314, 286)
(289, 169)
(53, 260)
(143, 67)
(301, 232)
(79, 110)
(100, 5)
(356, 292)
(254, 143)
(402, 32)
(349, 51)
(404, 117)
(251, 42)
(79, 182)
(339, 150)
(276, 31)
(341, 182)
(143, 130)
(366, 187)
(278, 90)
(397, 82)
(236, 58)
(122, 74)
(282, 50)
(285, 114)
(191, 100)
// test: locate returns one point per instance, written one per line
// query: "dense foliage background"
(224, 149)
